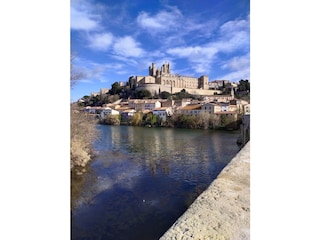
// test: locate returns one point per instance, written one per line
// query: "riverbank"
(223, 210)
(201, 121)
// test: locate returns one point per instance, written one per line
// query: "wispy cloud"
(237, 63)
(128, 47)
(101, 41)
(163, 21)
(82, 17)
(235, 26)
(94, 71)
(193, 53)
(238, 68)
(236, 75)
(234, 35)
(199, 56)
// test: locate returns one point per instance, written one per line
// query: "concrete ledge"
(223, 210)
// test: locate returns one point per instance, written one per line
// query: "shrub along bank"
(83, 133)
(201, 121)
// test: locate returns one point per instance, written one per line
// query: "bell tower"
(152, 70)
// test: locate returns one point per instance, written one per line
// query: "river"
(143, 179)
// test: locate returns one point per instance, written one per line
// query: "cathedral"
(164, 79)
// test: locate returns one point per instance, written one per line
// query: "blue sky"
(115, 39)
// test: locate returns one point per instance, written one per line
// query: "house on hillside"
(241, 105)
(108, 111)
(163, 112)
(208, 108)
(127, 114)
(92, 110)
(144, 104)
(192, 109)
(216, 107)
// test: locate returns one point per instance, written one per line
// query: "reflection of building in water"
(115, 138)
(157, 144)
(162, 79)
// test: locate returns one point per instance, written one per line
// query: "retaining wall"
(154, 88)
(223, 210)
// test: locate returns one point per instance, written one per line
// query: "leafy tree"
(115, 88)
(152, 119)
(95, 100)
(244, 85)
(182, 94)
(165, 95)
(142, 94)
(112, 98)
(137, 119)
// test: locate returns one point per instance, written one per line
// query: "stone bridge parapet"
(223, 210)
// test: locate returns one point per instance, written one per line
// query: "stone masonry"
(223, 210)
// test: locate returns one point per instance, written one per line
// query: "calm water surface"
(143, 179)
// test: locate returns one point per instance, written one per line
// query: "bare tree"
(75, 75)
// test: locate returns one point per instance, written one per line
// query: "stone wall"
(244, 136)
(154, 88)
(223, 210)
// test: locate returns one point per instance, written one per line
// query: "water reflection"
(144, 179)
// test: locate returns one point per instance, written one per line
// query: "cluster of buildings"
(217, 105)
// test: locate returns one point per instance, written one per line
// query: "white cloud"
(101, 41)
(193, 53)
(83, 20)
(239, 40)
(235, 26)
(237, 75)
(163, 21)
(200, 56)
(128, 47)
(237, 63)
(239, 67)
(149, 22)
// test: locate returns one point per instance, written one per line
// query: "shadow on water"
(144, 179)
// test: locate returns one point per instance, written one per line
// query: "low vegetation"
(178, 120)
(83, 134)
(111, 120)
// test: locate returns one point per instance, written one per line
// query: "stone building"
(162, 79)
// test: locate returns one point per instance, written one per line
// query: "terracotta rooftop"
(226, 112)
(192, 107)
